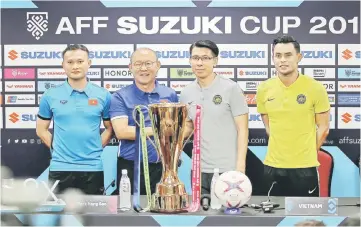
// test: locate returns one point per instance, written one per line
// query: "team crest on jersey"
(217, 99)
(301, 99)
(63, 101)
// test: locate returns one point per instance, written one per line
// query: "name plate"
(93, 204)
(311, 206)
(49, 206)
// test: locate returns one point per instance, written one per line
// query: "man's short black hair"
(206, 44)
(286, 39)
(76, 47)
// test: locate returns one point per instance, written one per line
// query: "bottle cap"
(216, 170)
(124, 171)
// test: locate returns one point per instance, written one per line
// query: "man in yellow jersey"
(296, 113)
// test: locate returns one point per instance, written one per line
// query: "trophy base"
(170, 204)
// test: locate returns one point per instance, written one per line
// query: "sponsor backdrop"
(32, 43)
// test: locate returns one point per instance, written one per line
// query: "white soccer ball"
(233, 189)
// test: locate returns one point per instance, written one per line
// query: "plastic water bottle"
(124, 192)
(215, 204)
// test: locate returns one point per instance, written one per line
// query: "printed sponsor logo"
(349, 73)
(21, 117)
(20, 99)
(349, 86)
(225, 72)
(170, 54)
(252, 73)
(349, 54)
(110, 54)
(274, 71)
(19, 73)
(243, 54)
(33, 55)
(349, 117)
(123, 73)
(329, 85)
(179, 85)
(320, 73)
(20, 86)
(332, 99)
(182, 73)
(116, 85)
(249, 85)
(251, 99)
(59, 73)
(39, 98)
(318, 54)
(45, 85)
(349, 99)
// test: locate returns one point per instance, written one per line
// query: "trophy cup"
(168, 122)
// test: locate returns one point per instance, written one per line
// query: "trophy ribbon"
(140, 145)
(196, 164)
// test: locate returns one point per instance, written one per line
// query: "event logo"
(37, 23)
(19, 73)
(349, 99)
(350, 118)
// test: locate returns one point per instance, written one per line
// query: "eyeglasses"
(148, 64)
(203, 58)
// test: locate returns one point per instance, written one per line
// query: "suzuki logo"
(346, 117)
(347, 54)
(14, 117)
(13, 55)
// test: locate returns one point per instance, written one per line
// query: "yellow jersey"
(291, 112)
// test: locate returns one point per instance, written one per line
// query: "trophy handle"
(186, 141)
(135, 120)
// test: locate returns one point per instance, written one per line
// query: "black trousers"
(91, 183)
(155, 174)
(298, 182)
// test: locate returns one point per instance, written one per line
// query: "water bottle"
(215, 204)
(124, 192)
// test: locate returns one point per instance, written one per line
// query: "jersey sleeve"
(45, 112)
(238, 101)
(321, 103)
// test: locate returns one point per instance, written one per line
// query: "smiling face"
(76, 64)
(286, 58)
(202, 62)
(144, 66)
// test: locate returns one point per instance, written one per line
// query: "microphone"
(111, 184)
(268, 206)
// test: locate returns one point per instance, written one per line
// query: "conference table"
(248, 217)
